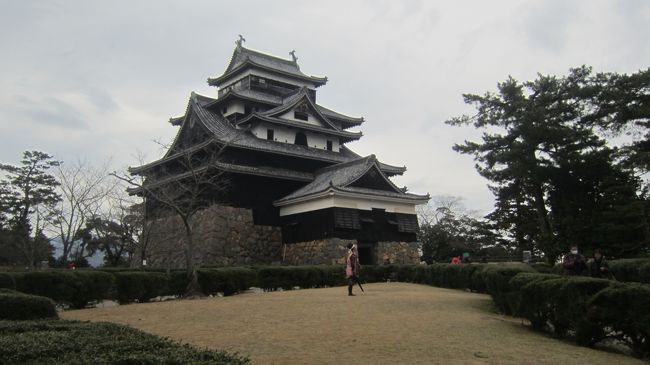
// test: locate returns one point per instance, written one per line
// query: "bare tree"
(198, 182)
(84, 190)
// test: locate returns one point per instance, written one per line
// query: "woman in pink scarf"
(352, 267)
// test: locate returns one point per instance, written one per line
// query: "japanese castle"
(295, 193)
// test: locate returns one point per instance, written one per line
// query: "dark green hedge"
(141, 286)
(65, 342)
(226, 280)
(7, 281)
(631, 270)
(75, 288)
(497, 283)
(19, 306)
(625, 311)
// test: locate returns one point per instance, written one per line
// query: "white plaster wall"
(311, 119)
(347, 202)
(234, 107)
(288, 135)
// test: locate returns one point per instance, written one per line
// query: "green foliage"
(623, 309)
(140, 286)
(76, 343)
(497, 283)
(555, 178)
(7, 281)
(226, 280)
(562, 303)
(631, 270)
(19, 306)
(521, 305)
(75, 288)
(24, 189)
(92, 286)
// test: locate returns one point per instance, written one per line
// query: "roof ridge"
(346, 164)
(264, 54)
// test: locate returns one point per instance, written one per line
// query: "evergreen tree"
(543, 158)
(27, 190)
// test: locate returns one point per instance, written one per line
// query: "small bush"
(140, 285)
(497, 282)
(7, 281)
(520, 305)
(65, 342)
(19, 306)
(623, 311)
(631, 270)
(92, 286)
(226, 280)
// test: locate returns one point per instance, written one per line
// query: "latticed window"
(346, 218)
(407, 223)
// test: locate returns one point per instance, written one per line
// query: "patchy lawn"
(391, 323)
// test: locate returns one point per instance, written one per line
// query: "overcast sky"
(99, 80)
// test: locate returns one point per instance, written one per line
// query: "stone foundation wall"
(401, 253)
(332, 251)
(329, 251)
(222, 236)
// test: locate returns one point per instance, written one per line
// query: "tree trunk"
(193, 287)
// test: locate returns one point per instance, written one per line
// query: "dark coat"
(573, 264)
(599, 268)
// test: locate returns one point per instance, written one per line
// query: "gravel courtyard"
(391, 323)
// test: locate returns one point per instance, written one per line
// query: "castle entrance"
(367, 252)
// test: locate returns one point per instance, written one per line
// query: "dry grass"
(390, 323)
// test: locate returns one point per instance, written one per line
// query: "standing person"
(455, 260)
(598, 266)
(573, 262)
(352, 267)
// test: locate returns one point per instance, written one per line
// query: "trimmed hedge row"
(67, 342)
(585, 309)
(19, 306)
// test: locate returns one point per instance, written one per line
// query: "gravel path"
(391, 323)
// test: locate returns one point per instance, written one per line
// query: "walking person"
(352, 267)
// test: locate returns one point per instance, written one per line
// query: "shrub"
(630, 270)
(140, 285)
(274, 277)
(562, 303)
(19, 306)
(7, 281)
(497, 280)
(65, 342)
(623, 311)
(92, 285)
(520, 305)
(543, 268)
(226, 280)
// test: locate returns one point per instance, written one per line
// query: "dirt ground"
(391, 323)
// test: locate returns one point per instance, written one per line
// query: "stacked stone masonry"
(227, 236)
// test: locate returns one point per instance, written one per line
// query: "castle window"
(300, 115)
(329, 145)
(224, 110)
(301, 139)
(269, 134)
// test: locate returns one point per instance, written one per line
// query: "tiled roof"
(336, 115)
(243, 56)
(340, 177)
(224, 132)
